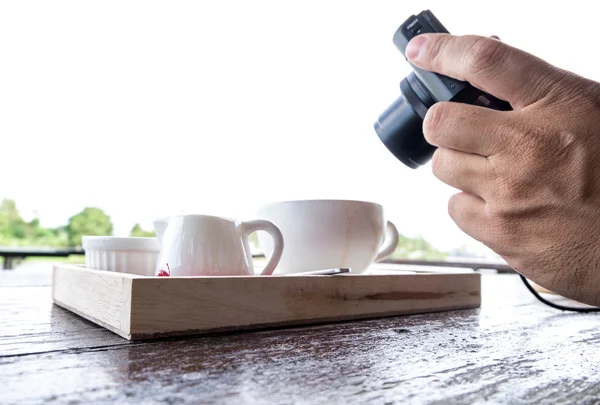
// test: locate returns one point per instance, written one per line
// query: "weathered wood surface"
(511, 350)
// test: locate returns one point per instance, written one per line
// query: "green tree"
(9, 211)
(13, 229)
(11, 223)
(90, 221)
(139, 232)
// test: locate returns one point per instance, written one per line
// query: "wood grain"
(511, 350)
(102, 297)
(151, 307)
(29, 323)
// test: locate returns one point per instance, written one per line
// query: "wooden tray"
(137, 307)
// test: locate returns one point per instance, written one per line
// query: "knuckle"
(485, 56)
(537, 138)
(503, 132)
(435, 46)
(538, 151)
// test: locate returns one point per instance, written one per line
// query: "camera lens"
(400, 126)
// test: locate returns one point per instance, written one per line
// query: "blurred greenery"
(139, 232)
(416, 249)
(408, 248)
(14, 231)
(90, 221)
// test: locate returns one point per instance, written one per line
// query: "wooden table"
(511, 350)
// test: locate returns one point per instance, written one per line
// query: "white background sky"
(147, 108)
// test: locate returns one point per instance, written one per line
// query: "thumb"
(487, 63)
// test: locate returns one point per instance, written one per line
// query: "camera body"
(400, 126)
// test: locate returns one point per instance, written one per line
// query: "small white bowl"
(133, 255)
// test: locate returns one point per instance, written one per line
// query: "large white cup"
(322, 234)
(206, 245)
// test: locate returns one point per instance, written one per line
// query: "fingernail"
(414, 47)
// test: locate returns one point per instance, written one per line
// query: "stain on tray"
(406, 295)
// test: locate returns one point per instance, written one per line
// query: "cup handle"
(390, 243)
(249, 227)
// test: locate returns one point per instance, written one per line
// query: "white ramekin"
(133, 255)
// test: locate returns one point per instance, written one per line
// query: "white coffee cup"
(323, 234)
(206, 245)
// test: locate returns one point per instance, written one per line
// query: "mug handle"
(249, 227)
(390, 243)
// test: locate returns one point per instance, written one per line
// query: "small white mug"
(324, 234)
(206, 245)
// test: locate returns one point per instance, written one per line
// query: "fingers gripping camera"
(400, 126)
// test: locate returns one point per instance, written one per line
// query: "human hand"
(529, 178)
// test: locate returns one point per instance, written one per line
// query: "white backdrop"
(145, 108)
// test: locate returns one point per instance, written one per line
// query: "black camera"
(400, 127)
